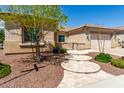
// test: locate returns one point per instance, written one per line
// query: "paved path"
(79, 57)
(75, 80)
(81, 67)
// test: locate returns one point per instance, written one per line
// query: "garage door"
(104, 38)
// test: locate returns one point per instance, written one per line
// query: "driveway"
(116, 51)
(116, 82)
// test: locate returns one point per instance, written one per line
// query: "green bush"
(5, 70)
(118, 63)
(63, 50)
(102, 57)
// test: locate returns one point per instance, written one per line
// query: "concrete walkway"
(81, 67)
(79, 57)
(75, 80)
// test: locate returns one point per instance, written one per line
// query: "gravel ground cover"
(47, 77)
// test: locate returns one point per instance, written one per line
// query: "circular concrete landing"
(76, 52)
(81, 67)
(79, 57)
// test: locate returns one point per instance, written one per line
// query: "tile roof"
(66, 29)
(121, 27)
(116, 29)
(93, 25)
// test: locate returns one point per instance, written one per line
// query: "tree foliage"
(42, 17)
(1, 35)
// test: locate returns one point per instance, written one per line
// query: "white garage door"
(104, 38)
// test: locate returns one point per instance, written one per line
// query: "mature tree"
(36, 17)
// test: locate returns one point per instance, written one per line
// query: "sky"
(109, 16)
(104, 15)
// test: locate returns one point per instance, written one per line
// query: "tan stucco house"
(83, 37)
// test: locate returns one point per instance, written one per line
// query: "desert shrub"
(5, 70)
(63, 50)
(118, 62)
(102, 57)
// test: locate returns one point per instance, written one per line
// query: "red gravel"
(107, 67)
(49, 76)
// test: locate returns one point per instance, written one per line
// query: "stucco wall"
(80, 39)
(120, 36)
(13, 38)
(114, 41)
(49, 36)
(13, 35)
(11, 47)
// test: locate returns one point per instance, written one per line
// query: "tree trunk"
(38, 57)
(32, 46)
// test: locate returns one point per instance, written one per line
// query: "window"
(29, 35)
(61, 38)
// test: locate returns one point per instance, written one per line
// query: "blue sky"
(107, 15)
(110, 16)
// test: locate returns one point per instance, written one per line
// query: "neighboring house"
(120, 34)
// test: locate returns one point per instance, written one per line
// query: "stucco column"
(88, 39)
(114, 42)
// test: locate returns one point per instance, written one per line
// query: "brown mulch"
(107, 67)
(49, 76)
